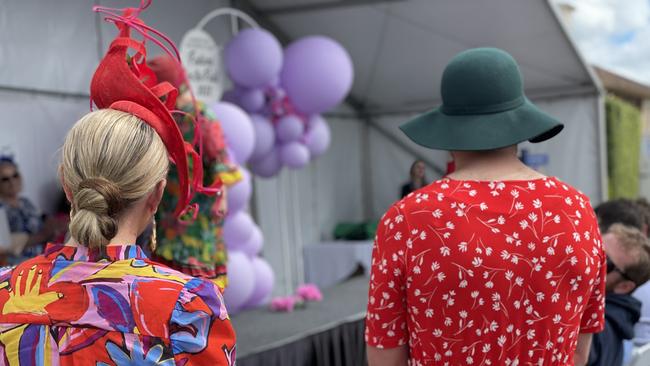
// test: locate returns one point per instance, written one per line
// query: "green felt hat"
(483, 107)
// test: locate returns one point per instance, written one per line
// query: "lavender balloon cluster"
(284, 92)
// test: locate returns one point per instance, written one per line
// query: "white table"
(329, 263)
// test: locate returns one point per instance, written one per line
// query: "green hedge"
(623, 147)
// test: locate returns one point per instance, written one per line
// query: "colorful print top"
(487, 273)
(72, 306)
(197, 247)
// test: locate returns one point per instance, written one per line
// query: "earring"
(152, 241)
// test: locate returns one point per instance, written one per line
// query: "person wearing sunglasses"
(29, 231)
(627, 252)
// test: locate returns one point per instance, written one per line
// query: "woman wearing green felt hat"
(495, 264)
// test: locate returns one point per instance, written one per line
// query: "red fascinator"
(124, 82)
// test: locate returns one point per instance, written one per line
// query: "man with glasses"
(628, 267)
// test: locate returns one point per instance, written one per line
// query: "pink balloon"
(264, 280)
(237, 230)
(254, 245)
(241, 281)
(239, 193)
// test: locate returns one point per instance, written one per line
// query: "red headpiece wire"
(127, 84)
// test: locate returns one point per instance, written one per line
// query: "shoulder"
(201, 295)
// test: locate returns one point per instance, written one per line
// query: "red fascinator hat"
(124, 82)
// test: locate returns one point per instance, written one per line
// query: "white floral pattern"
(487, 273)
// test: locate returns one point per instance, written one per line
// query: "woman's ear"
(156, 196)
(625, 287)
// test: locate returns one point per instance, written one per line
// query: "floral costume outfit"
(196, 247)
(487, 273)
(74, 306)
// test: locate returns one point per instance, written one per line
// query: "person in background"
(642, 328)
(29, 231)
(196, 248)
(644, 206)
(417, 178)
(628, 267)
(496, 264)
(619, 211)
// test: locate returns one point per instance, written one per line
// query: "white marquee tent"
(48, 51)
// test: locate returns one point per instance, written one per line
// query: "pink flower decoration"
(213, 140)
(285, 303)
(309, 292)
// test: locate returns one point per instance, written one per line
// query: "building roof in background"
(622, 86)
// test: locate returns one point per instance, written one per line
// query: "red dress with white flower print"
(487, 273)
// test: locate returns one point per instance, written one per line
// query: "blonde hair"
(636, 244)
(110, 159)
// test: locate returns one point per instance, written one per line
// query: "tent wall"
(48, 52)
(574, 155)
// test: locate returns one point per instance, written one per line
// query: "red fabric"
(126, 83)
(481, 273)
(167, 69)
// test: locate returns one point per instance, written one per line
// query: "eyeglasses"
(611, 267)
(10, 177)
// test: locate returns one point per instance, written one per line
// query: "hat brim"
(436, 130)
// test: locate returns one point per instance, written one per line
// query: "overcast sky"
(614, 34)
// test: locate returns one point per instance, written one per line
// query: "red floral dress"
(487, 273)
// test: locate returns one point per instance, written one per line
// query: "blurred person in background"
(29, 231)
(619, 211)
(417, 178)
(628, 267)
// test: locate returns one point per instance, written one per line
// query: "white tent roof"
(400, 47)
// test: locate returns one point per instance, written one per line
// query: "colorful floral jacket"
(74, 306)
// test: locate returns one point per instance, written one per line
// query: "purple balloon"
(264, 280)
(317, 74)
(252, 100)
(237, 230)
(318, 136)
(253, 57)
(294, 155)
(254, 245)
(267, 166)
(264, 136)
(239, 193)
(231, 96)
(290, 128)
(237, 129)
(241, 281)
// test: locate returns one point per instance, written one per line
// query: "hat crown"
(481, 80)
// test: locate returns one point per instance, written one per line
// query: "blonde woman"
(97, 299)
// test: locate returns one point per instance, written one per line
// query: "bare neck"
(128, 230)
(500, 164)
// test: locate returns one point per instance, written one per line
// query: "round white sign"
(203, 64)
